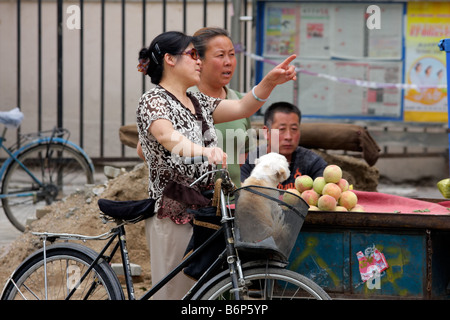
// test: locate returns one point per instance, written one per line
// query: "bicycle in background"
(39, 168)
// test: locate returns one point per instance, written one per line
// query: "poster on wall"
(303, 30)
(425, 68)
(328, 88)
(281, 34)
(351, 39)
(340, 60)
(314, 31)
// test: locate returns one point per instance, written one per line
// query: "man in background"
(282, 127)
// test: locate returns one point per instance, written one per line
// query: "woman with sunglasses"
(173, 123)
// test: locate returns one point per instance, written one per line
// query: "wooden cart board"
(415, 245)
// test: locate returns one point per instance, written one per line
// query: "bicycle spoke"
(273, 283)
(64, 278)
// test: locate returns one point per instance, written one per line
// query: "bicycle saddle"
(12, 118)
(130, 211)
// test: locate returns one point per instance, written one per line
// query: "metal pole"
(444, 45)
(19, 53)
(81, 128)
(235, 82)
(39, 102)
(122, 122)
(19, 64)
(102, 78)
(60, 65)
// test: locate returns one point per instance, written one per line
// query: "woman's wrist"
(206, 152)
(255, 96)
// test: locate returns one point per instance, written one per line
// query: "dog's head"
(272, 167)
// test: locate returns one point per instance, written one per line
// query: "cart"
(416, 248)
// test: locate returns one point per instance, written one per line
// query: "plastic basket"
(268, 220)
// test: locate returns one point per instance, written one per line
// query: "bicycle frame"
(227, 256)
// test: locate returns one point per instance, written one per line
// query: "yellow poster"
(425, 68)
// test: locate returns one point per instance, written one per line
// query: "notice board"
(346, 68)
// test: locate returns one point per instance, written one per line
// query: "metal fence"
(72, 64)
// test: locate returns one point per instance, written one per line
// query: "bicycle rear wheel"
(60, 168)
(65, 265)
(266, 284)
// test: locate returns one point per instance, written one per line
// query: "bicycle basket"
(268, 220)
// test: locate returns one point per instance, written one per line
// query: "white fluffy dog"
(259, 217)
(270, 169)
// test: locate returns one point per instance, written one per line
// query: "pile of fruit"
(328, 193)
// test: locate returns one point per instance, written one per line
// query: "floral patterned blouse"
(164, 167)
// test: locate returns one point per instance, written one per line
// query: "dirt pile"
(357, 172)
(79, 213)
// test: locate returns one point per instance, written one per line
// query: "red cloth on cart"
(445, 203)
(387, 203)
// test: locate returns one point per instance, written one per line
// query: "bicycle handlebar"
(199, 159)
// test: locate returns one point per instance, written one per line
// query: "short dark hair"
(282, 106)
(204, 35)
(172, 42)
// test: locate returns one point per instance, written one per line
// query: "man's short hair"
(284, 107)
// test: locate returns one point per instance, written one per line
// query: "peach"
(303, 183)
(343, 184)
(357, 208)
(348, 199)
(313, 208)
(290, 196)
(332, 173)
(311, 197)
(326, 203)
(318, 184)
(333, 190)
(340, 208)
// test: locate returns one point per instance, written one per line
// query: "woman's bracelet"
(256, 97)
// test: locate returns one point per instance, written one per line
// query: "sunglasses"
(193, 53)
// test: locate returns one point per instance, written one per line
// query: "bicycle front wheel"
(50, 172)
(65, 264)
(266, 284)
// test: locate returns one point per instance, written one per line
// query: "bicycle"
(39, 169)
(239, 271)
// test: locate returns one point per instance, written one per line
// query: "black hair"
(284, 107)
(172, 42)
(203, 35)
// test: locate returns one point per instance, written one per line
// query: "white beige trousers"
(167, 243)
